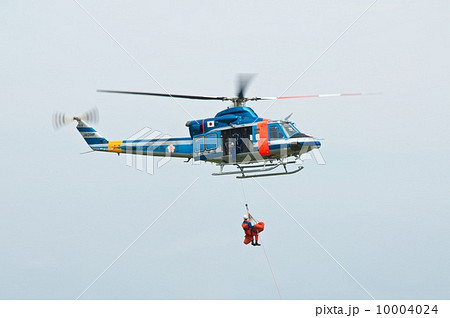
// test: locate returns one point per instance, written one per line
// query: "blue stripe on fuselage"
(91, 141)
(179, 149)
(86, 129)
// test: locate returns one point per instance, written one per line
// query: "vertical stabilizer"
(91, 136)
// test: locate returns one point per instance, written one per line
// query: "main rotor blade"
(315, 95)
(203, 97)
(243, 81)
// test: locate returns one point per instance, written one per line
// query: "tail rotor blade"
(60, 120)
(91, 116)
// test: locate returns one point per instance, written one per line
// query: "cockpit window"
(275, 133)
(289, 129)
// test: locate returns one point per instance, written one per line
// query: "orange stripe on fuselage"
(114, 146)
(263, 142)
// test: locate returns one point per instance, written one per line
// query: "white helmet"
(245, 217)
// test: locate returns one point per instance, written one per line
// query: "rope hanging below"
(250, 217)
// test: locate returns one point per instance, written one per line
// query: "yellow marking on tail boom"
(114, 146)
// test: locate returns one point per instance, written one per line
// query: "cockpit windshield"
(289, 129)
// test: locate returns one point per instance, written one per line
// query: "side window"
(275, 133)
(211, 141)
(199, 144)
(255, 133)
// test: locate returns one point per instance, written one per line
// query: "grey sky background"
(380, 205)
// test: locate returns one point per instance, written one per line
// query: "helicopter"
(235, 136)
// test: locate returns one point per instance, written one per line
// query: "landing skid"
(249, 171)
(270, 174)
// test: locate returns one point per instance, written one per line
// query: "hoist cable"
(243, 191)
(251, 218)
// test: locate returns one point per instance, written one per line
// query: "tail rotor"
(91, 116)
(60, 119)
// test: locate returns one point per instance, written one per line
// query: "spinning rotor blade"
(223, 98)
(91, 116)
(61, 119)
(243, 81)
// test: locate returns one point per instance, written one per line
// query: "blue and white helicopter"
(234, 137)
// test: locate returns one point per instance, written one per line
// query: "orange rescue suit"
(251, 231)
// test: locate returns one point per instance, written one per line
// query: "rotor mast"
(240, 102)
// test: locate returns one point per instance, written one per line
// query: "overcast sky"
(379, 207)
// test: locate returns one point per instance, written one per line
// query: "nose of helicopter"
(313, 144)
(306, 145)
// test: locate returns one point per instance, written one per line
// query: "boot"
(256, 244)
(253, 243)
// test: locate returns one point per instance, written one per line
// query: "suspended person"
(251, 231)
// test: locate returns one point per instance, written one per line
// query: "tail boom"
(174, 147)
